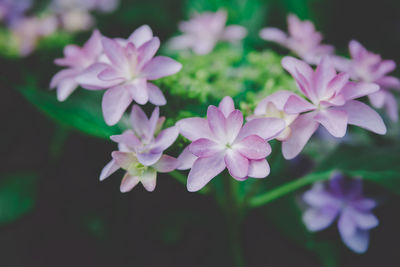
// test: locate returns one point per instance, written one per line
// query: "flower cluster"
(343, 199)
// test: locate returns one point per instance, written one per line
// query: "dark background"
(78, 221)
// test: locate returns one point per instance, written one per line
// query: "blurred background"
(55, 212)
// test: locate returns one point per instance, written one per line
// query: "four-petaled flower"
(220, 142)
(332, 104)
(343, 199)
(77, 59)
(125, 69)
(369, 67)
(204, 31)
(303, 40)
(141, 153)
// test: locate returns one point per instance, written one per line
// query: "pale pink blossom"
(222, 141)
(330, 102)
(370, 67)
(125, 71)
(141, 151)
(204, 31)
(302, 39)
(76, 59)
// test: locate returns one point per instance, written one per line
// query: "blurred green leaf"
(17, 196)
(81, 111)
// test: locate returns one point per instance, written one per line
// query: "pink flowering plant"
(299, 134)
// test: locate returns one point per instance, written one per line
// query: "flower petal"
(123, 159)
(115, 53)
(115, 101)
(165, 139)
(362, 115)
(128, 183)
(203, 170)
(89, 78)
(138, 90)
(156, 97)
(274, 35)
(109, 169)
(278, 98)
(302, 129)
(147, 51)
(320, 218)
(194, 128)
(258, 168)
(377, 99)
(160, 67)
(234, 33)
(357, 90)
(186, 159)
(391, 107)
(149, 179)
(166, 164)
(238, 165)
(324, 73)
(266, 128)
(335, 121)
(346, 223)
(65, 88)
(253, 147)
(365, 220)
(217, 123)
(226, 106)
(205, 147)
(234, 123)
(140, 122)
(148, 158)
(141, 35)
(128, 138)
(296, 104)
(358, 242)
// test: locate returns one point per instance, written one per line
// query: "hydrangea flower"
(303, 40)
(369, 67)
(273, 107)
(125, 70)
(331, 104)
(341, 199)
(29, 30)
(141, 152)
(13, 10)
(204, 31)
(222, 141)
(77, 59)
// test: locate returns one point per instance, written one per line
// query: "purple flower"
(61, 6)
(204, 31)
(77, 59)
(343, 199)
(125, 70)
(331, 104)
(220, 142)
(369, 67)
(303, 40)
(273, 107)
(11, 11)
(141, 153)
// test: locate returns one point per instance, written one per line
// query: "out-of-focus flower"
(125, 70)
(273, 107)
(332, 104)
(77, 59)
(76, 20)
(29, 30)
(220, 142)
(343, 199)
(85, 5)
(369, 67)
(204, 31)
(303, 40)
(141, 153)
(13, 10)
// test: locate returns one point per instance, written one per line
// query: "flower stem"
(287, 188)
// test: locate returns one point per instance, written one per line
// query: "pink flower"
(204, 31)
(77, 59)
(273, 107)
(141, 153)
(125, 70)
(331, 104)
(303, 40)
(220, 142)
(369, 67)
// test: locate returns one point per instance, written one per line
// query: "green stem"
(233, 219)
(287, 188)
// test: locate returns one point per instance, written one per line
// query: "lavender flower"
(141, 153)
(342, 199)
(303, 40)
(11, 11)
(369, 67)
(77, 59)
(332, 104)
(220, 142)
(204, 31)
(124, 71)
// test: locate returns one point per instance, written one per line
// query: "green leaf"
(17, 196)
(81, 111)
